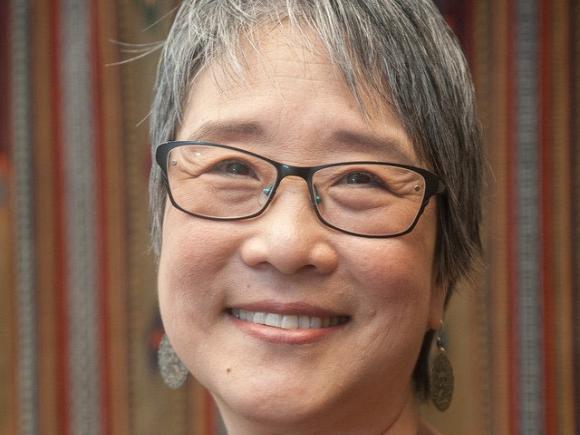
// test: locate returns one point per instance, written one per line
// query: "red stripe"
(209, 409)
(11, 346)
(62, 365)
(468, 33)
(511, 209)
(545, 164)
(101, 221)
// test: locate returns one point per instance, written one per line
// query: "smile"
(288, 321)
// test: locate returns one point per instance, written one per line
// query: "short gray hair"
(398, 52)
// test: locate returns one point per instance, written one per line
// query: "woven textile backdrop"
(79, 323)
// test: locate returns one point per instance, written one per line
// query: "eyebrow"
(375, 144)
(221, 128)
(372, 143)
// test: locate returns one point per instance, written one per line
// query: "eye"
(361, 178)
(234, 168)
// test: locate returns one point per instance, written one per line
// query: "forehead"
(275, 51)
(283, 81)
(278, 67)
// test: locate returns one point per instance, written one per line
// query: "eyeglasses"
(367, 199)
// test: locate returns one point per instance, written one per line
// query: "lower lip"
(284, 336)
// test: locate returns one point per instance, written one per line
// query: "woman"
(315, 202)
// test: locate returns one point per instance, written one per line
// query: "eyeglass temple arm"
(441, 187)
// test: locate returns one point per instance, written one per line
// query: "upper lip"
(288, 308)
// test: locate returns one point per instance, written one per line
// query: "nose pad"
(317, 198)
(266, 192)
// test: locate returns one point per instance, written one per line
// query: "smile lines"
(289, 321)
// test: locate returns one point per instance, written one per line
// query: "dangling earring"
(173, 372)
(441, 380)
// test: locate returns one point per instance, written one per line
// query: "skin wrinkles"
(248, 133)
(280, 74)
(335, 385)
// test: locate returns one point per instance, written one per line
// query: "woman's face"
(293, 106)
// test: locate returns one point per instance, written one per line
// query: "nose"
(288, 236)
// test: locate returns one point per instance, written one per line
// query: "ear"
(437, 306)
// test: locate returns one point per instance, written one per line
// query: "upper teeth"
(286, 321)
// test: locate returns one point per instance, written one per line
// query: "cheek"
(395, 277)
(193, 257)
(191, 244)
(394, 269)
(393, 285)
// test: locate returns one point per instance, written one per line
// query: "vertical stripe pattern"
(22, 157)
(528, 291)
(80, 209)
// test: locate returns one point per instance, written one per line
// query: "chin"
(274, 406)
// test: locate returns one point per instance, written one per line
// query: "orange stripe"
(209, 409)
(112, 147)
(575, 192)
(477, 308)
(561, 225)
(62, 365)
(498, 128)
(44, 207)
(195, 407)
(511, 208)
(101, 223)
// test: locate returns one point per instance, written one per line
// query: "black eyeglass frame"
(434, 185)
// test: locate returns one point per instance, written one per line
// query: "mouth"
(287, 321)
(294, 323)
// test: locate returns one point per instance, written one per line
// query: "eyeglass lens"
(367, 199)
